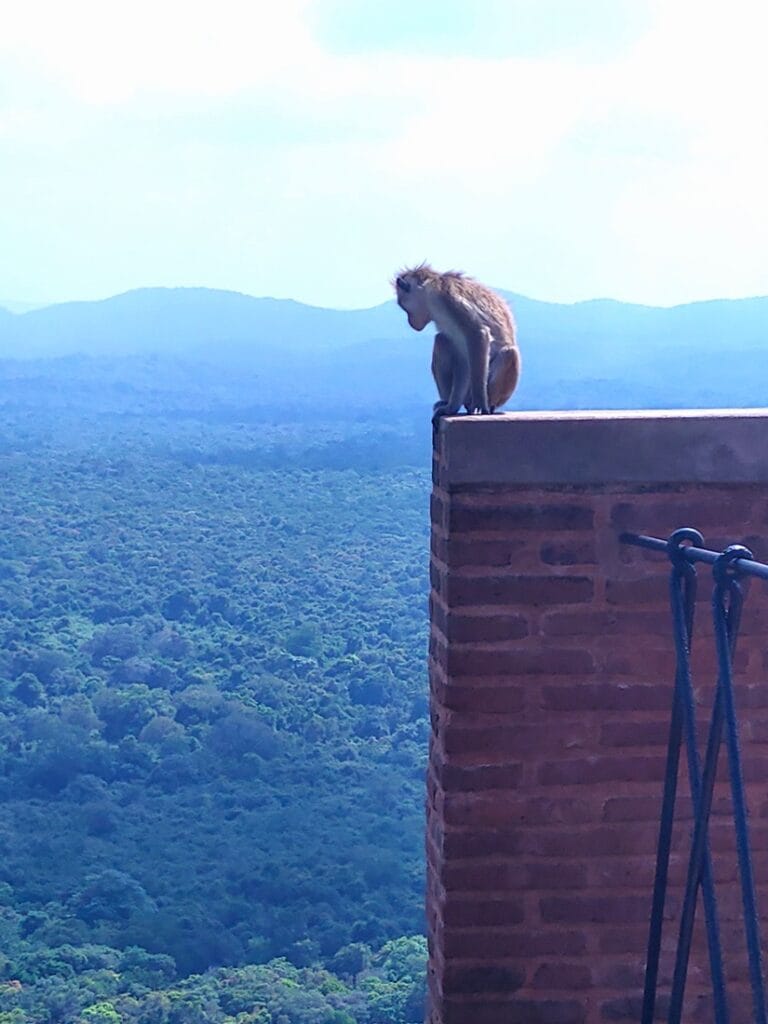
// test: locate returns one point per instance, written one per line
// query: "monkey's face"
(412, 299)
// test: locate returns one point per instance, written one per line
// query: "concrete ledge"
(605, 447)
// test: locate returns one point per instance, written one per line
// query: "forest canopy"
(212, 707)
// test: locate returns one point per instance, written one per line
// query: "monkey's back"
(487, 306)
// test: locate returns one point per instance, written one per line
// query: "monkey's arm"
(442, 366)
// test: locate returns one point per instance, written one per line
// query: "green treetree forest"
(212, 705)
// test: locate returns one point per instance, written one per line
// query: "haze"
(561, 150)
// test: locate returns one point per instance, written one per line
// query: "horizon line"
(25, 307)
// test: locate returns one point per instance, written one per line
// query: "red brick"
(510, 518)
(496, 698)
(594, 909)
(481, 913)
(438, 614)
(756, 731)
(608, 697)
(641, 661)
(629, 872)
(472, 810)
(530, 591)
(493, 943)
(560, 875)
(589, 842)
(515, 741)
(752, 697)
(438, 577)
(438, 510)
(662, 516)
(482, 843)
(458, 779)
(485, 628)
(482, 978)
(635, 808)
(629, 1008)
(542, 810)
(438, 546)
(482, 876)
(569, 553)
(754, 769)
(634, 734)
(623, 939)
(629, 975)
(616, 622)
(457, 552)
(722, 836)
(588, 770)
(481, 662)
(517, 1011)
(753, 619)
(647, 590)
(559, 975)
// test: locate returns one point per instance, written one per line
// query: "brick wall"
(551, 672)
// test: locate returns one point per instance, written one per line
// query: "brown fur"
(475, 359)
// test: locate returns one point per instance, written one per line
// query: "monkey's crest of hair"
(424, 273)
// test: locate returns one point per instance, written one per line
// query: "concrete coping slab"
(605, 447)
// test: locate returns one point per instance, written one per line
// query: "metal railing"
(684, 549)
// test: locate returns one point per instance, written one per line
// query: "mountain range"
(600, 352)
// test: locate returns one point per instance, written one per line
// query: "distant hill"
(599, 353)
(11, 306)
(184, 320)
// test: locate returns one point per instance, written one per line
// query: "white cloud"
(106, 51)
(692, 220)
(640, 176)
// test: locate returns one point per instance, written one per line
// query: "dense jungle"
(212, 702)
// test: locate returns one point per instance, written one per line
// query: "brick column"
(551, 673)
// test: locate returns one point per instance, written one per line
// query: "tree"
(29, 690)
(242, 732)
(101, 1013)
(127, 711)
(148, 970)
(178, 604)
(305, 641)
(110, 896)
(351, 960)
(119, 642)
(404, 959)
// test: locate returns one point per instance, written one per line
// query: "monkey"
(475, 358)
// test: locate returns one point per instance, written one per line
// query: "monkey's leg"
(503, 376)
(479, 351)
(451, 375)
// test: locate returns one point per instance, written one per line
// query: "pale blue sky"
(564, 149)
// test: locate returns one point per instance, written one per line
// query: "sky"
(307, 149)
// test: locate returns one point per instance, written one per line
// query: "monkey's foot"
(441, 409)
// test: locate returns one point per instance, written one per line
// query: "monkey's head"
(411, 290)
